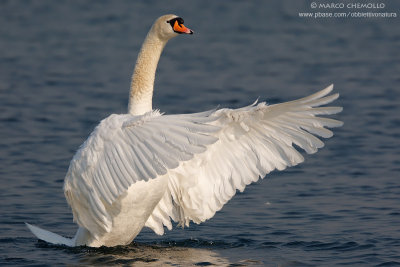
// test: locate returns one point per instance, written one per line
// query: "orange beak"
(180, 28)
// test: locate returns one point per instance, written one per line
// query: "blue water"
(65, 65)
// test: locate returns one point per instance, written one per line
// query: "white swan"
(145, 168)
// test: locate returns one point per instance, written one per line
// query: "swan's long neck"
(141, 93)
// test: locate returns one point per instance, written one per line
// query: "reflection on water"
(144, 255)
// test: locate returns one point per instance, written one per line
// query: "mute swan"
(145, 168)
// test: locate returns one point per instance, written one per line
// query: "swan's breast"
(131, 211)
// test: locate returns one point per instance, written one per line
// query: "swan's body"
(144, 168)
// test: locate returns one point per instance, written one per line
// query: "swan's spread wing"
(124, 149)
(252, 142)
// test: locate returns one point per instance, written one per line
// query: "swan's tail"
(50, 237)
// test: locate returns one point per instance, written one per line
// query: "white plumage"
(145, 168)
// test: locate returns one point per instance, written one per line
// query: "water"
(66, 65)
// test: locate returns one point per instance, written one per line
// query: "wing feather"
(125, 149)
(252, 142)
(207, 156)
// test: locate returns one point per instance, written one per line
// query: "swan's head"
(169, 26)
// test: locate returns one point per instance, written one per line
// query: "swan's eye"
(178, 19)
